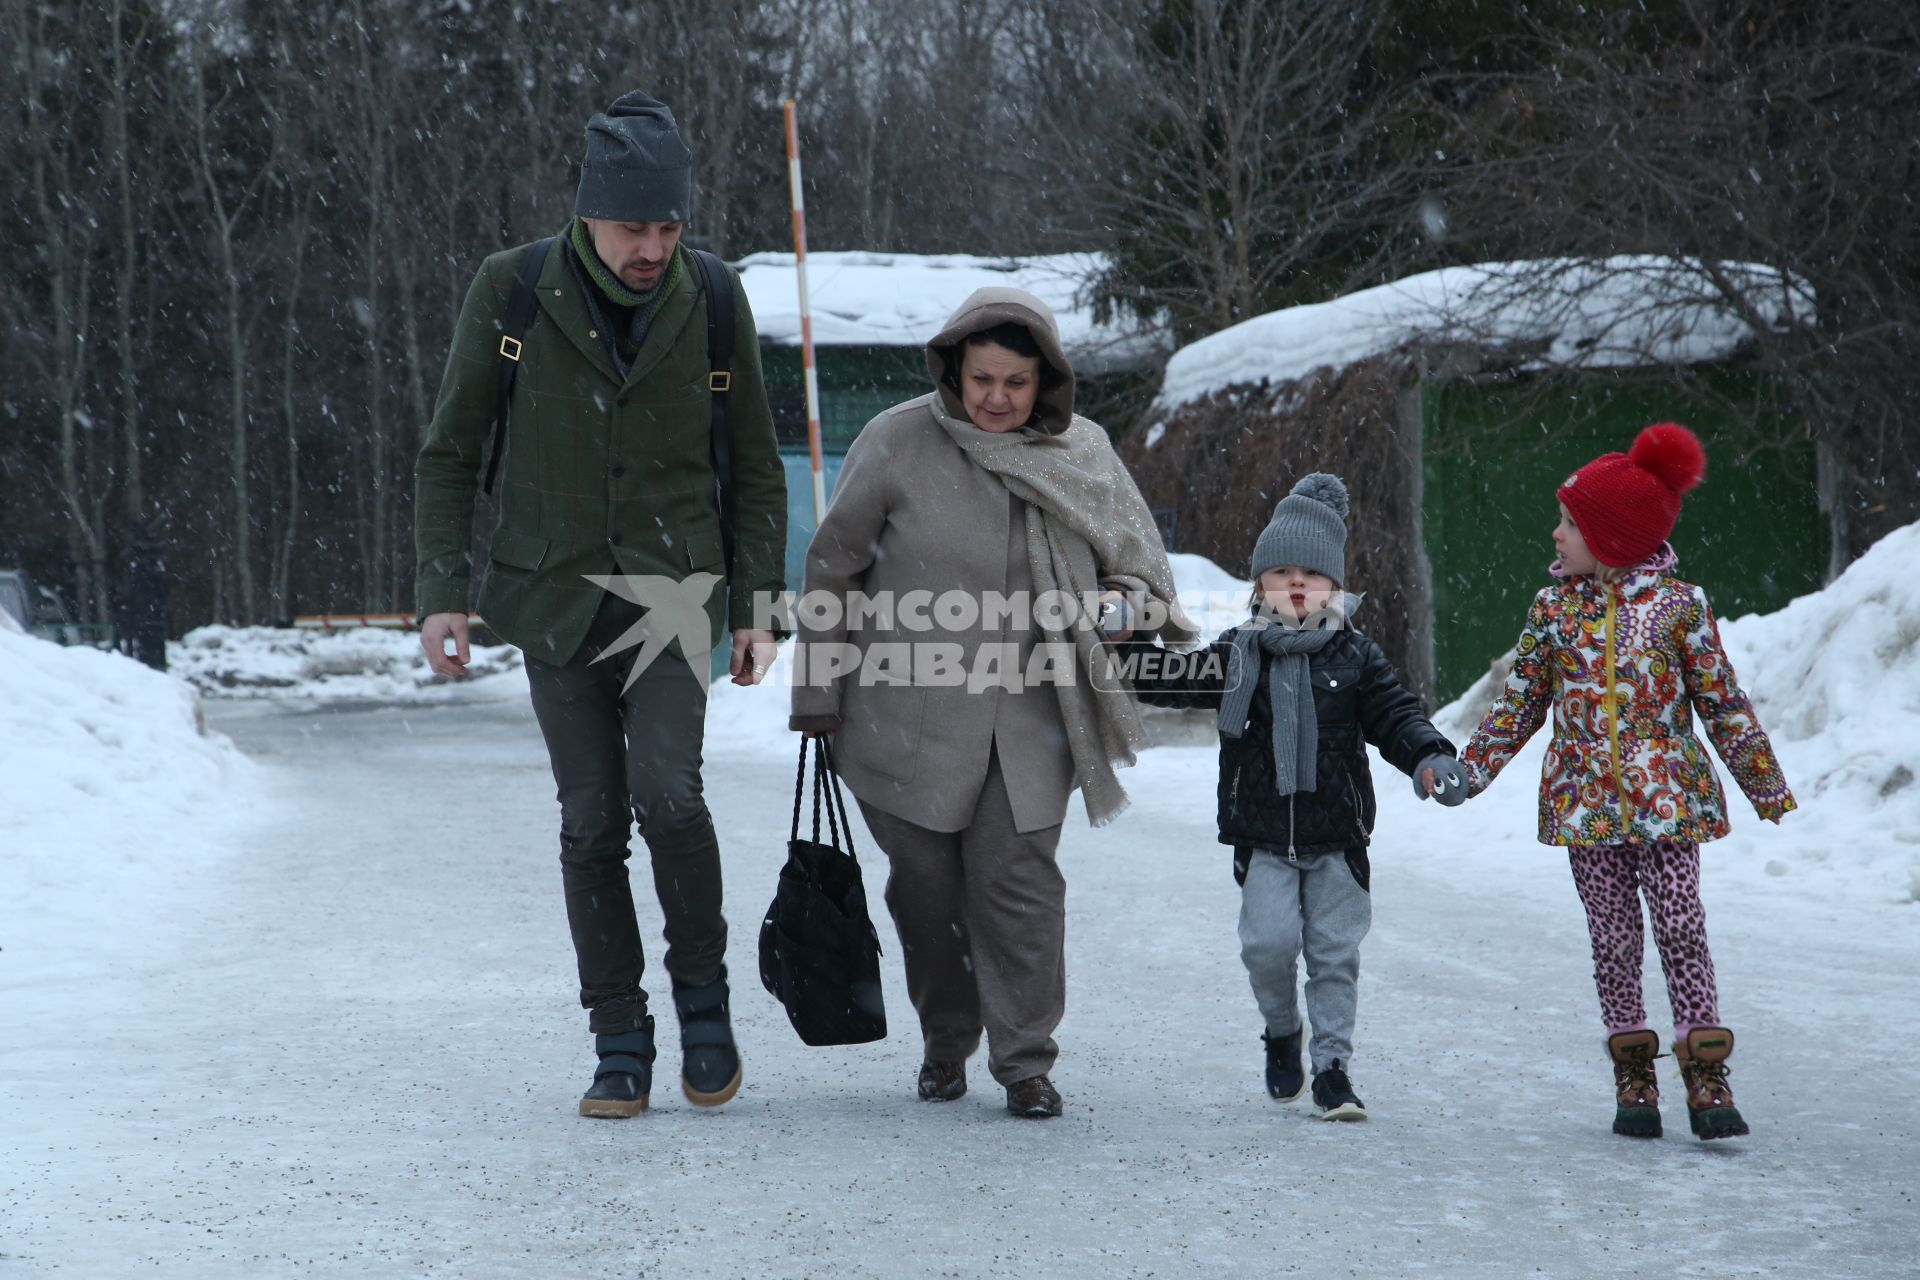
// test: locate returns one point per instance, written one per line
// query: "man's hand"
(434, 630)
(753, 653)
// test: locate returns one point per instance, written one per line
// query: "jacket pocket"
(705, 551)
(518, 550)
(880, 727)
(1335, 682)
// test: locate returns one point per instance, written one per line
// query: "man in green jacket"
(608, 505)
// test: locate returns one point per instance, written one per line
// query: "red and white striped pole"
(806, 312)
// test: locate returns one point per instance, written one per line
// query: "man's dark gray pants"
(619, 757)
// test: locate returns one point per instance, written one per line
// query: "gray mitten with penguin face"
(1449, 783)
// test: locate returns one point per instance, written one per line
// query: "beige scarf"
(1088, 530)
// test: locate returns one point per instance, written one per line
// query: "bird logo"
(676, 610)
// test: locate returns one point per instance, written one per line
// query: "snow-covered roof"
(1578, 313)
(860, 298)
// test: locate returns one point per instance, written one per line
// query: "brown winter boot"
(1703, 1065)
(1636, 1092)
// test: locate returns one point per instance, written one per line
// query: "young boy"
(1300, 695)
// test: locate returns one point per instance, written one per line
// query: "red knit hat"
(1625, 503)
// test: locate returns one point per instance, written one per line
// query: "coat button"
(593, 333)
(1333, 684)
(615, 539)
(619, 471)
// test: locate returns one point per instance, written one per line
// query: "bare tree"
(129, 45)
(1255, 165)
(54, 111)
(1783, 134)
(230, 183)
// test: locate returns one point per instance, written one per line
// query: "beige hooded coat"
(927, 503)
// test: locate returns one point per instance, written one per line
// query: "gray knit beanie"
(636, 168)
(1309, 528)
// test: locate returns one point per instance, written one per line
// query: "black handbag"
(819, 953)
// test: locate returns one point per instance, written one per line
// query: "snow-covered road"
(343, 1041)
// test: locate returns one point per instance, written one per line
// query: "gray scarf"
(1086, 522)
(1296, 727)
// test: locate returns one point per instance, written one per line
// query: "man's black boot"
(710, 1062)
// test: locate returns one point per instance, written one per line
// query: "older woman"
(964, 737)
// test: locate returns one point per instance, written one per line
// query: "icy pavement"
(343, 1040)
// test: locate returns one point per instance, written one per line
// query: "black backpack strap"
(720, 329)
(521, 310)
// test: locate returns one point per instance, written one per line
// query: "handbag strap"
(799, 786)
(836, 801)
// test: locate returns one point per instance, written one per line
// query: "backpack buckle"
(516, 344)
(720, 380)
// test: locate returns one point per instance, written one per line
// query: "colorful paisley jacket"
(1622, 668)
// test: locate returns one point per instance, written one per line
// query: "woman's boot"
(1635, 1089)
(1703, 1065)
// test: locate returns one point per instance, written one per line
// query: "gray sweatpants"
(982, 916)
(1314, 907)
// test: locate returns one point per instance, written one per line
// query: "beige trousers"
(982, 919)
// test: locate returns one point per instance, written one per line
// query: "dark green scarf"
(607, 289)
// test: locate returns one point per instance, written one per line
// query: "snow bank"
(364, 664)
(904, 299)
(1835, 678)
(106, 777)
(1620, 312)
(83, 729)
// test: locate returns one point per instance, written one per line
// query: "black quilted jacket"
(1358, 699)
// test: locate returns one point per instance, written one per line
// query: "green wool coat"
(600, 476)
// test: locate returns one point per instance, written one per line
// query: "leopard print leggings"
(1611, 879)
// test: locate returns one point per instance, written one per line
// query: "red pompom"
(1672, 453)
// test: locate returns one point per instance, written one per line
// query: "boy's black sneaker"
(1333, 1096)
(1286, 1078)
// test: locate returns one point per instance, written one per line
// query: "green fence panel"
(1752, 534)
(856, 385)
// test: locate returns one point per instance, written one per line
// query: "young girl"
(1301, 695)
(1622, 655)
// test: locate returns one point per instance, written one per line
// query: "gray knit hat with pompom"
(1309, 528)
